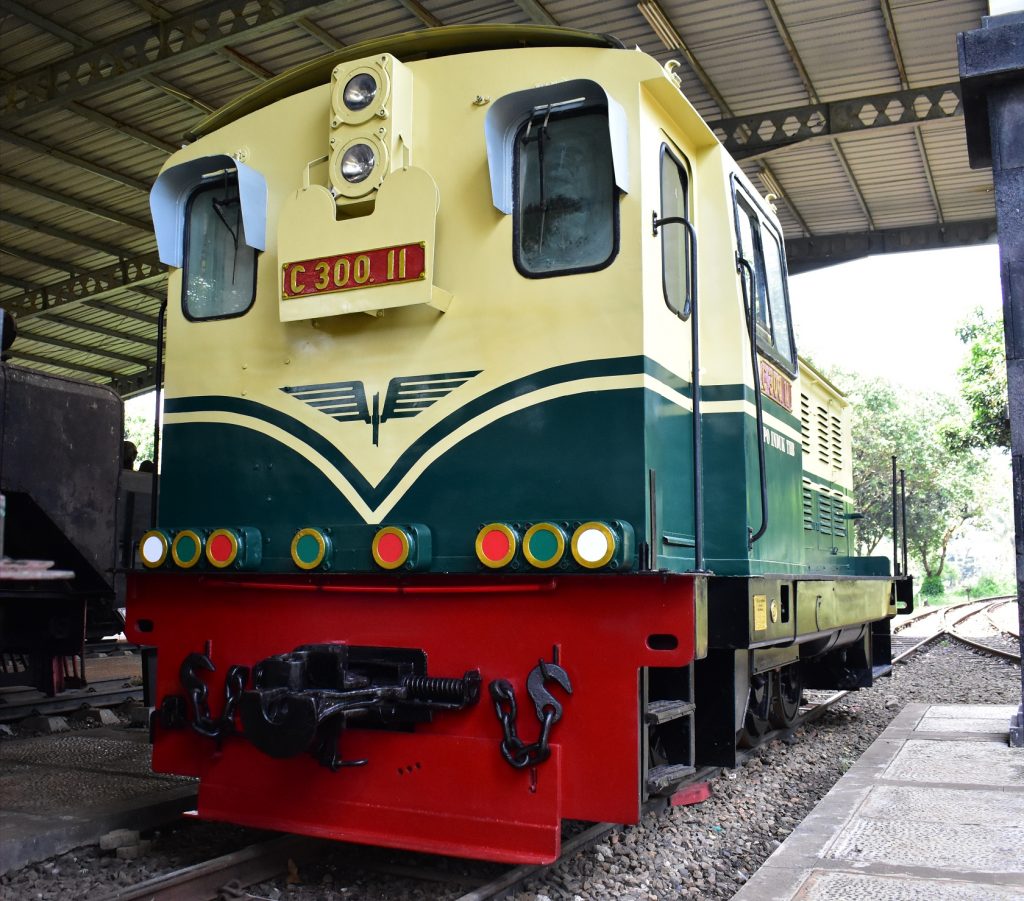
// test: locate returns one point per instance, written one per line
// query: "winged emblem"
(407, 396)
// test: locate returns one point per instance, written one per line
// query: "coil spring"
(456, 691)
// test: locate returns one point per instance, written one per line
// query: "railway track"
(117, 679)
(229, 875)
(954, 628)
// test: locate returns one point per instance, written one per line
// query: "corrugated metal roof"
(74, 172)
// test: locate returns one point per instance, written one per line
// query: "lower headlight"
(357, 163)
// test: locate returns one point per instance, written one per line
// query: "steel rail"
(20, 703)
(231, 872)
(982, 646)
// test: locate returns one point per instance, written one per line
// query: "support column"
(992, 76)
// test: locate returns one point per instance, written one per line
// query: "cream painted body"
(496, 320)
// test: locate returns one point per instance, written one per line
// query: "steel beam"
(182, 37)
(321, 34)
(130, 385)
(805, 254)
(17, 283)
(794, 54)
(98, 329)
(759, 133)
(241, 60)
(98, 118)
(39, 259)
(992, 72)
(536, 11)
(421, 13)
(137, 315)
(61, 234)
(17, 354)
(90, 285)
(19, 184)
(673, 40)
(894, 42)
(98, 351)
(21, 141)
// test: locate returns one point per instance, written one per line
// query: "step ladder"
(674, 718)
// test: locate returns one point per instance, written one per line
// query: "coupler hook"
(549, 711)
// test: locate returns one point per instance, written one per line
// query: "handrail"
(742, 265)
(698, 455)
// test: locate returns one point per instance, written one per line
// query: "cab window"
(674, 261)
(760, 247)
(565, 209)
(220, 268)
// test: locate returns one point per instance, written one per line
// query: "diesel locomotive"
(493, 491)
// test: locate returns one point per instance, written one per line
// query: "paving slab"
(59, 792)
(932, 811)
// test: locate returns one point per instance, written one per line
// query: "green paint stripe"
(713, 393)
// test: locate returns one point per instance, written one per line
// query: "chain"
(515, 751)
(234, 685)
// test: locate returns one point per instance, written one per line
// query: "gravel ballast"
(703, 851)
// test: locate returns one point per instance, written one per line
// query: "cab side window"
(220, 268)
(765, 282)
(565, 202)
(675, 276)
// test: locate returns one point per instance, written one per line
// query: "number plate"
(346, 271)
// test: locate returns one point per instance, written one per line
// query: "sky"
(895, 315)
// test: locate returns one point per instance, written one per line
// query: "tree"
(943, 483)
(139, 429)
(983, 385)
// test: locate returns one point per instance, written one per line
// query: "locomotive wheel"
(756, 722)
(787, 690)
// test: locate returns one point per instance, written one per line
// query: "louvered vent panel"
(838, 517)
(805, 423)
(824, 454)
(837, 443)
(808, 507)
(825, 514)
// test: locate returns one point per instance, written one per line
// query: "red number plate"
(364, 269)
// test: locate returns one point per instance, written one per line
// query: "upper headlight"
(360, 91)
(357, 162)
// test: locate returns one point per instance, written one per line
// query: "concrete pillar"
(992, 77)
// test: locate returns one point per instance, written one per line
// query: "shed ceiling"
(848, 109)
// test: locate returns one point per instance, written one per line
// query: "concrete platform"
(61, 791)
(933, 810)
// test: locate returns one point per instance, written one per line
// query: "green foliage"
(932, 587)
(983, 385)
(942, 482)
(987, 587)
(139, 429)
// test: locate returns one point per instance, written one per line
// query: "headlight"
(357, 162)
(360, 91)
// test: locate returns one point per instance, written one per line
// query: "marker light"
(186, 549)
(593, 545)
(153, 548)
(360, 90)
(222, 548)
(309, 547)
(496, 545)
(543, 545)
(357, 163)
(390, 547)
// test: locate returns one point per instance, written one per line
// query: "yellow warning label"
(760, 612)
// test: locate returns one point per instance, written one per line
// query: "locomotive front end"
(401, 584)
